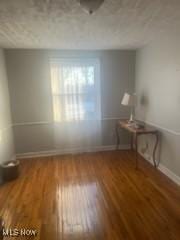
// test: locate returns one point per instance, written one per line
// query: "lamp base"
(131, 119)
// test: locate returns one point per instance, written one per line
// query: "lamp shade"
(128, 100)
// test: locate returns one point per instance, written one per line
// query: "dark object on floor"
(1, 228)
(10, 170)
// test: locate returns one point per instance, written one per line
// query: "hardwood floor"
(95, 196)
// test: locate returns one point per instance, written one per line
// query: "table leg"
(132, 141)
(136, 150)
(117, 136)
(154, 150)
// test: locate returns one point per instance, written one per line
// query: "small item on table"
(136, 125)
(139, 125)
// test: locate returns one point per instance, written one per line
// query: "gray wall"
(158, 91)
(29, 82)
(6, 136)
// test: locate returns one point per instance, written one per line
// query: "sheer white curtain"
(76, 103)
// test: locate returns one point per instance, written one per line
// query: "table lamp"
(129, 100)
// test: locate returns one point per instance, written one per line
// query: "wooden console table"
(135, 132)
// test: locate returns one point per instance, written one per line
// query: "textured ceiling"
(63, 24)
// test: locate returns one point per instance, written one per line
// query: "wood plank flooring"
(95, 196)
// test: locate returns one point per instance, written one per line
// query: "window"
(75, 89)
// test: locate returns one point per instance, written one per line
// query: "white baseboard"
(69, 151)
(162, 168)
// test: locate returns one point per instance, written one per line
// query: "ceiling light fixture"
(91, 6)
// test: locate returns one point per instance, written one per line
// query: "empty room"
(89, 119)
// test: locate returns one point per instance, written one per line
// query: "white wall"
(158, 91)
(29, 82)
(6, 135)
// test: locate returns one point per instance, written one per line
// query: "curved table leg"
(154, 150)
